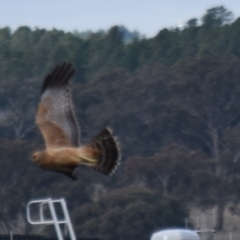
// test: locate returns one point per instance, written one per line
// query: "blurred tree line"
(173, 101)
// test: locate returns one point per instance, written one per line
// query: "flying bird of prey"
(57, 122)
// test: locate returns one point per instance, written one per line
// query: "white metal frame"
(55, 221)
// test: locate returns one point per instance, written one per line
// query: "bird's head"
(37, 157)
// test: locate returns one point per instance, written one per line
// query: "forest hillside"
(172, 100)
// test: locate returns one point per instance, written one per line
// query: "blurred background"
(164, 75)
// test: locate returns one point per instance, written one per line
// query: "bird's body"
(57, 123)
(67, 156)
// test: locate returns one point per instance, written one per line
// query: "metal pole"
(68, 221)
(186, 223)
(55, 220)
(11, 235)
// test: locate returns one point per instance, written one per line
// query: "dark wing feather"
(67, 171)
(57, 99)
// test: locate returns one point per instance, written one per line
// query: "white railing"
(54, 218)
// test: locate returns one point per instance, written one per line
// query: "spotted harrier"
(57, 122)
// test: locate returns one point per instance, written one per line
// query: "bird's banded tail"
(102, 152)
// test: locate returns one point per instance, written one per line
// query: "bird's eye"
(34, 156)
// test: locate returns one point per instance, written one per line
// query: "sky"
(146, 16)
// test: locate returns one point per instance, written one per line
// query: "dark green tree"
(217, 16)
(207, 94)
(131, 213)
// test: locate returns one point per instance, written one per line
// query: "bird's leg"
(88, 164)
(88, 161)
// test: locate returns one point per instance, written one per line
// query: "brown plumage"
(57, 123)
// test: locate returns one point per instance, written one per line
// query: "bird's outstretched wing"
(55, 116)
(67, 171)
